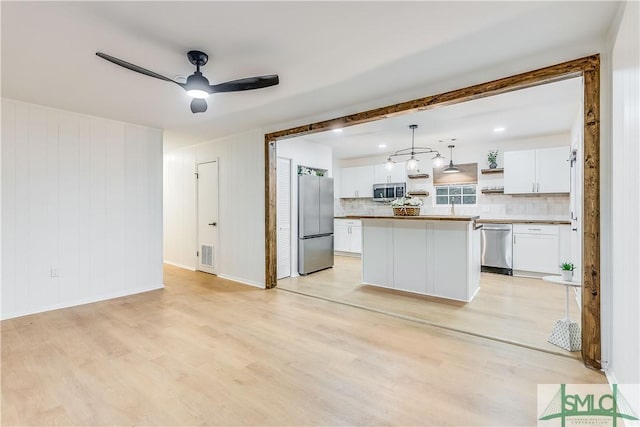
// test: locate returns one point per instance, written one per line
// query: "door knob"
(214, 224)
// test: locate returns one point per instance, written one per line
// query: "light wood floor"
(206, 351)
(515, 309)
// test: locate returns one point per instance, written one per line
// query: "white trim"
(83, 301)
(175, 264)
(243, 281)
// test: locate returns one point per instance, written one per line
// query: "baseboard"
(242, 281)
(175, 264)
(530, 274)
(82, 301)
(347, 254)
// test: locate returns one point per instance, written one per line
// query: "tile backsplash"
(534, 206)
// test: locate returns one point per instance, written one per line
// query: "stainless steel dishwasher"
(497, 248)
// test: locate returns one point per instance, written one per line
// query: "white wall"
(241, 205)
(308, 154)
(625, 296)
(82, 195)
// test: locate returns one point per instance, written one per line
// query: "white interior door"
(283, 198)
(208, 217)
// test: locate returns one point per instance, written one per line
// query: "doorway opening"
(588, 68)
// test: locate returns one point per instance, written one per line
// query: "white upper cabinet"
(520, 171)
(545, 170)
(382, 175)
(357, 182)
(553, 170)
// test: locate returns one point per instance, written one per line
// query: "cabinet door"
(535, 252)
(377, 241)
(364, 177)
(553, 170)
(398, 173)
(356, 239)
(382, 175)
(410, 256)
(357, 182)
(341, 238)
(519, 172)
(348, 182)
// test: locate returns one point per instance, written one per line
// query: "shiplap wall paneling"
(69, 223)
(82, 208)
(114, 206)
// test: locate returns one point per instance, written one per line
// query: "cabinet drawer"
(535, 229)
(351, 222)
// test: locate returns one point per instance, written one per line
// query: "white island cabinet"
(437, 256)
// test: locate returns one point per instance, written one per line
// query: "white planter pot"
(567, 275)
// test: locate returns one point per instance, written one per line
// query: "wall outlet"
(54, 272)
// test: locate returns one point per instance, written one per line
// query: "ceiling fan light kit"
(197, 86)
(412, 163)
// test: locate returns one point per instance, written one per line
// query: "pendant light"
(451, 168)
(412, 163)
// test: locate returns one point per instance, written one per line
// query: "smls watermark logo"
(584, 405)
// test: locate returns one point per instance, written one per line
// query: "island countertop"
(419, 217)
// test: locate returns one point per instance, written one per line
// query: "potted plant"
(406, 206)
(566, 270)
(492, 158)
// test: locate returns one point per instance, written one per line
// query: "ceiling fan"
(197, 85)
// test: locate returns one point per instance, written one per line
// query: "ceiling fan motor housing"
(197, 58)
(197, 81)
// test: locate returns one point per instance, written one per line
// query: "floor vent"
(207, 255)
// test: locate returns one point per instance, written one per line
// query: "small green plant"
(567, 266)
(492, 157)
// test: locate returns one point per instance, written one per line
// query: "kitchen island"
(429, 255)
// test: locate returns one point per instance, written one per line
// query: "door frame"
(589, 69)
(216, 248)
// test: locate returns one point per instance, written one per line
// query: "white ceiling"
(541, 110)
(329, 55)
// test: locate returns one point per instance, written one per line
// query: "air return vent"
(207, 255)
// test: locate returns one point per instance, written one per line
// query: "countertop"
(522, 221)
(463, 218)
(420, 217)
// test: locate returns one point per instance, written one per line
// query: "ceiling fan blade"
(198, 105)
(249, 83)
(135, 68)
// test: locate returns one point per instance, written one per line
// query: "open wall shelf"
(490, 171)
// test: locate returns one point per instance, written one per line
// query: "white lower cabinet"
(536, 248)
(347, 236)
(437, 258)
(377, 260)
(411, 241)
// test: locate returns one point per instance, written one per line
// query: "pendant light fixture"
(412, 163)
(451, 168)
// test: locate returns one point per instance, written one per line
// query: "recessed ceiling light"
(337, 130)
(498, 129)
(382, 146)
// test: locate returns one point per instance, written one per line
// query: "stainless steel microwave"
(388, 192)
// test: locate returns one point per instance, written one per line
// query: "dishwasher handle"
(498, 227)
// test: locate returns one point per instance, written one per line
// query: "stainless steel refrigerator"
(315, 223)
